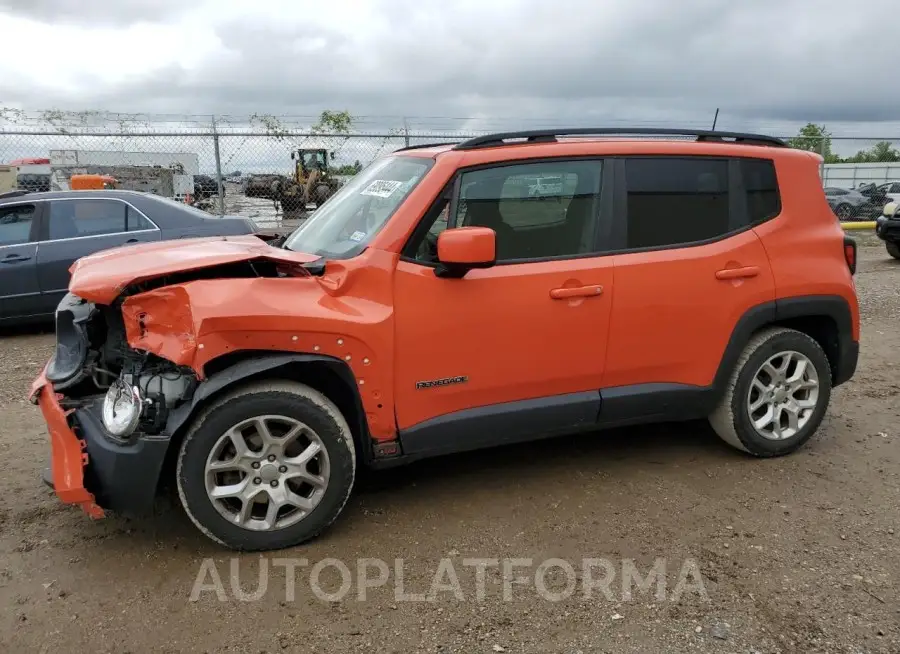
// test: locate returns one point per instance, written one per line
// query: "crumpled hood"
(101, 277)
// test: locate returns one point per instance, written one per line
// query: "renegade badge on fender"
(447, 298)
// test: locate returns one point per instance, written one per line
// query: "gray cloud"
(765, 63)
(96, 13)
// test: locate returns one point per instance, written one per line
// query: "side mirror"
(890, 209)
(464, 248)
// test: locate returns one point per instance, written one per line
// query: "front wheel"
(777, 395)
(266, 467)
(893, 249)
(844, 212)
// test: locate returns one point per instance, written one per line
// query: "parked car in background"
(261, 186)
(850, 204)
(887, 228)
(205, 186)
(877, 194)
(890, 191)
(42, 234)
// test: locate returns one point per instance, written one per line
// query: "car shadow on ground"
(26, 329)
(472, 477)
(611, 451)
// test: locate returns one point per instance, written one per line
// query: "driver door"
(517, 350)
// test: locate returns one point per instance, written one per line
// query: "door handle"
(14, 259)
(738, 273)
(578, 291)
(131, 240)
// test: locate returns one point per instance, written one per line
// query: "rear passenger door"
(74, 228)
(688, 265)
(19, 292)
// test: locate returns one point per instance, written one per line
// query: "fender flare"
(267, 364)
(845, 350)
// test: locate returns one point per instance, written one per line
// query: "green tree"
(815, 138)
(883, 151)
(333, 122)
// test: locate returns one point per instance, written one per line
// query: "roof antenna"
(715, 119)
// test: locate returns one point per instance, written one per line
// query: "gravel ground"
(798, 554)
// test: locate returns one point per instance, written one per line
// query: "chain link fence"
(242, 165)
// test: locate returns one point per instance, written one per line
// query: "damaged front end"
(108, 390)
(106, 407)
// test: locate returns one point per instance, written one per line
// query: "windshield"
(343, 226)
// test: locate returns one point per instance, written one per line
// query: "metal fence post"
(220, 200)
(822, 168)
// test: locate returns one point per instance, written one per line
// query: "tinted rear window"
(761, 184)
(674, 200)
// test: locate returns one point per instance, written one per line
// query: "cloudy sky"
(769, 65)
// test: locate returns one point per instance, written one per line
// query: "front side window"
(345, 224)
(15, 224)
(79, 218)
(673, 201)
(537, 210)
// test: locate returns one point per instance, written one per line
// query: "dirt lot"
(798, 554)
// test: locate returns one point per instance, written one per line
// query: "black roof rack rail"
(425, 145)
(550, 135)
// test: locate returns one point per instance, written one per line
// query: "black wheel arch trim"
(270, 365)
(844, 351)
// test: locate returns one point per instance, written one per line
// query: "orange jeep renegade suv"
(447, 298)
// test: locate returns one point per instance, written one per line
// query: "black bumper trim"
(846, 368)
(123, 477)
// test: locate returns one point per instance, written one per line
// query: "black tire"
(289, 399)
(893, 249)
(731, 418)
(321, 193)
(844, 212)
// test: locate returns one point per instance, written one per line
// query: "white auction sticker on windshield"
(357, 236)
(381, 188)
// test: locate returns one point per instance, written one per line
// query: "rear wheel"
(893, 249)
(267, 467)
(777, 395)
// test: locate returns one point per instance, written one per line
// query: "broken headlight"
(122, 408)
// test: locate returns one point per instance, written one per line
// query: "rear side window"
(674, 201)
(136, 221)
(15, 224)
(761, 184)
(77, 218)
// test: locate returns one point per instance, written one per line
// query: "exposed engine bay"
(133, 391)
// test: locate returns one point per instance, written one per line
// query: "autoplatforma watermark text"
(465, 579)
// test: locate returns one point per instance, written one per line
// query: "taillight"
(850, 254)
